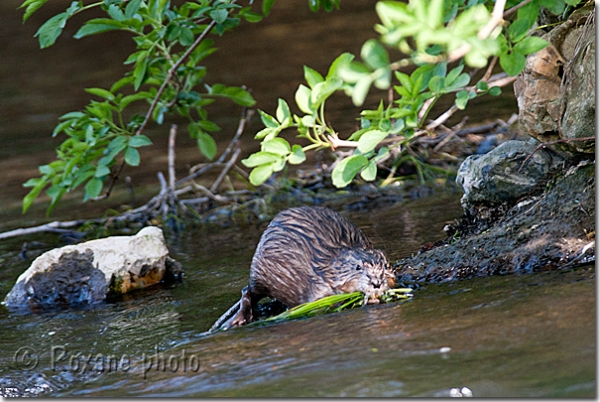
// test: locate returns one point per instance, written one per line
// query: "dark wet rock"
(556, 91)
(552, 230)
(500, 175)
(89, 272)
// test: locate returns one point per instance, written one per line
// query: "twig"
(545, 144)
(512, 10)
(451, 135)
(488, 72)
(485, 32)
(498, 80)
(55, 226)
(246, 115)
(170, 74)
(225, 170)
(172, 135)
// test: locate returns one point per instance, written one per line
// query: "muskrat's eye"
(358, 268)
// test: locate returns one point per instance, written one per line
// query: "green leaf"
(139, 141)
(269, 132)
(513, 63)
(462, 97)
(453, 75)
(102, 93)
(526, 17)
(266, 6)
(38, 185)
(312, 77)
(32, 7)
(324, 90)
(342, 60)
(186, 36)
(303, 99)
(98, 25)
(134, 97)
(361, 90)
(219, 15)
(345, 170)
(93, 188)
(239, 96)
(404, 80)
(277, 146)
(207, 145)
(251, 16)
(297, 156)
(102, 171)
(370, 171)
(139, 72)
(261, 173)
(283, 111)
(260, 158)
(268, 120)
(115, 12)
(460, 82)
(374, 54)
(436, 84)
(369, 140)
(208, 125)
(529, 45)
(556, 7)
(55, 193)
(482, 86)
(132, 8)
(132, 156)
(495, 91)
(51, 30)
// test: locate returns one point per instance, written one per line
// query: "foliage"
(431, 34)
(337, 303)
(166, 74)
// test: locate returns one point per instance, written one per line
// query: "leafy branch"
(432, 34)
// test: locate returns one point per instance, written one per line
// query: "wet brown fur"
(307, 253)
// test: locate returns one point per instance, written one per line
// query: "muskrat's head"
(364, 270)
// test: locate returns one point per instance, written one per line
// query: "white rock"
(87, 272)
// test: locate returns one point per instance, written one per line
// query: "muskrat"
(307, 253)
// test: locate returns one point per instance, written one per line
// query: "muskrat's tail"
(238, 314)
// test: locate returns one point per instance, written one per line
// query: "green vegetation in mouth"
(339, 302)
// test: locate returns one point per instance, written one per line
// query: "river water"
(529, 335)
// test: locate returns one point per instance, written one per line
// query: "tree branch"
(170, 74)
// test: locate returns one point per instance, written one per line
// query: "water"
(530, 335)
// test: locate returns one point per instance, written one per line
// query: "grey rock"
(86, 273)
(497, 176)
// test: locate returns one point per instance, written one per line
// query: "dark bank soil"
(553, 230)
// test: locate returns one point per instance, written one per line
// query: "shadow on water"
(532, 335)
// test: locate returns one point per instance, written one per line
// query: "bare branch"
(172, 135)
(246, 115)
(225, 170)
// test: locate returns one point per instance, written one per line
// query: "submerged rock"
(87, 273)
